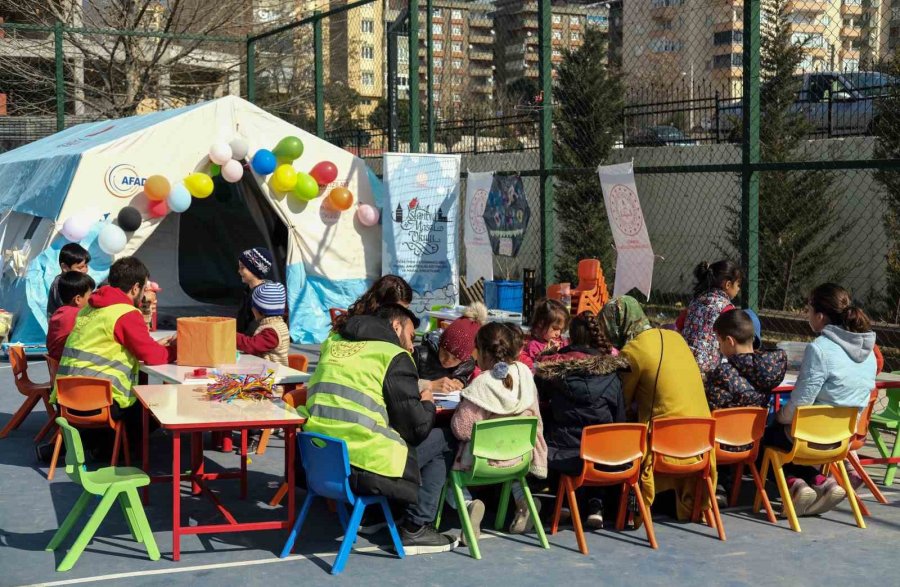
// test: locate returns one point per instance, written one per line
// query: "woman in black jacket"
(583, 388)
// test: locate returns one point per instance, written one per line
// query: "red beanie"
(458, 339)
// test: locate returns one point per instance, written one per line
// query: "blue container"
(503, 295)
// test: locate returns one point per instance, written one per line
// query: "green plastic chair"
(433, 323)
(110, 484)
(499, 439)
(889, 419)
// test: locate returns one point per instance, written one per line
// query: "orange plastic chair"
(608, 445)
(293, 398)
(85, 402)
(50, 426)
(857, 442)
(33, 392)
(688, 438)
(740, 427)
(295, 361)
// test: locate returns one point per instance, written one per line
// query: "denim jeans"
(435, 457)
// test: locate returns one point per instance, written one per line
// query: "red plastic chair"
(335, 312)
(857, 442)
(741, 427)
(609, 445)
(688, 438)
(33, 392)
(86, 402)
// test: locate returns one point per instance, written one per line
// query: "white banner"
(634, 262)
(479, 256)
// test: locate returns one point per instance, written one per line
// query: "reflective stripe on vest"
(92, 351)
(345, 401)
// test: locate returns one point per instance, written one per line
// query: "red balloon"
(159, 208)
(324, 172)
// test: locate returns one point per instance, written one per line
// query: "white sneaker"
(828, 495)
(803, 497)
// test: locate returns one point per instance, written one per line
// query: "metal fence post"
(750, 155)
(474, 135)
(59, 75)
(429, 88)
(319, 76)
(251, 70)
(548, 231)
(414, 115)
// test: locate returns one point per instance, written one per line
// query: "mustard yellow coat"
(679, 392)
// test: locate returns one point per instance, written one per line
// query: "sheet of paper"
(789, 379)
(452, 396)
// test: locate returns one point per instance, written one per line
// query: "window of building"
(457, 98)
(456, 14)
(456, 47)
(439, 62)
(455, 80)
(436, 12)
(851, 64)
(456, 31)
(557, 19)
(665, 3)
(368, 78)
(728, 37)
(368, 52)
(438, 45)
(403, 81)
(665, 46)
(457, 64)
(575, 36)
(727, 61)
(368, 25)
(557, 53)
(557, 35)
(437, 29)
(573, 20)
(403, 52)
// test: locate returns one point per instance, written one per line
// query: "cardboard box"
(206, 341)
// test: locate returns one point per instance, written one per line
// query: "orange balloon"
(157, 188)
(340, 199)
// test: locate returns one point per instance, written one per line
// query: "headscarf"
(624, 318)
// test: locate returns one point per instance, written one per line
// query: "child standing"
(747, 376)
(444, 361)
(549, 321)
(717, 285)
(271, 339)
(254, 267)
(74, 288)
(505, 388)
(72, 257)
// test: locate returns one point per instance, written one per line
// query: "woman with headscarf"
(664, 382)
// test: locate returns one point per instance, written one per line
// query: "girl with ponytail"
(717, 285)
(838, 369)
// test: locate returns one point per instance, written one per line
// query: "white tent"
(325, 258)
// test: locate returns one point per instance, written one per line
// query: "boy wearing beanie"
(444, 360)
(255, 268)
(271, 339)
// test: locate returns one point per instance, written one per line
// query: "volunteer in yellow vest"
(110, 338)
(365, 391)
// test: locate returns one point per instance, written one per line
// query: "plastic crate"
(503, 295)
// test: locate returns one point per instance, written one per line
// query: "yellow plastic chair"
(822, 437)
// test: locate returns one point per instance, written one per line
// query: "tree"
(589, 99)
(799, 226)
(114, 75)
(378, 118)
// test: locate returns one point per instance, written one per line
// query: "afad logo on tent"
(123, 180)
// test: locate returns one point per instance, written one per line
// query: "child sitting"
(746, 376)
(504, 388)
(254, 269)
(74, 288)
(716, 286)
(272, 339)
(72, 257)
(584, 389)
(444, 360)
(549, 321)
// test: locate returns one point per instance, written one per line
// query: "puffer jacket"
(584, 389)
(698, 327)
(745, 380)
(429, 364)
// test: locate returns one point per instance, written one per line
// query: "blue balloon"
(264, 162)
(179, 198)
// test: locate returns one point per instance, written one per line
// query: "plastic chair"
(684, 439)
(889, 419)
(741, 427)
(821, 436)
(434, 323)
(335, 312)
(295, 397)
(110, 484)
(33, 392)
(295, 361)
(50, 426)
(85, 402)
(856, 443)
(609, 445)
(498, 439)
(327, 466)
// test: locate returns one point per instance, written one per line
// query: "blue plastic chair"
(327, 466)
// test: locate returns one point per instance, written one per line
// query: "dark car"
(658, 136)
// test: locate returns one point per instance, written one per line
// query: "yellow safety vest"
(345, 401)
(92, 351)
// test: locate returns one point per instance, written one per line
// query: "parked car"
(834, 103)
(658, 136)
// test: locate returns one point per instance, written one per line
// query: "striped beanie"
(269, 298)
(258, 261)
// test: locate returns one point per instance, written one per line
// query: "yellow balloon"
(284, 178)
(199, 184)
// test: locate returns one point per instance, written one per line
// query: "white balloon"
(112, 239)
(76, 227)
(239, 148)
(232, 171)
(220, 153)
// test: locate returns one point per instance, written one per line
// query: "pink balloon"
(232, 171)
(368, 215)
(158, 209)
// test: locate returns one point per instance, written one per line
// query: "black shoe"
(594, 518)
(43, 452)
(372, 521)
(426, 540)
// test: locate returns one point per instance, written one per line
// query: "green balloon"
(306, 188)
(214, 169)
(289, 148)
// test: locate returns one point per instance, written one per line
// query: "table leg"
(176, 495)
(196, 461)
(244, 463)
(145, 449)
(290, 446)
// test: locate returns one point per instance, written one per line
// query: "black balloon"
(129, 219)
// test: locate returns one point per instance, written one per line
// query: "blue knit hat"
(757, 328)
(258, 261)
(269, 298)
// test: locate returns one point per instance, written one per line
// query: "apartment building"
(356, 51)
